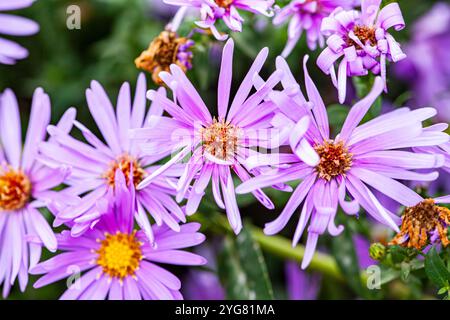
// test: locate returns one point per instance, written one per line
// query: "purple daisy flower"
(25, 186)
(94, 163)
(440, 184)
(362, 41)
(218, 145)
(12, 25)
(225, 10)
(117, 261)
(360, 158)
(307, 15)
(428, 50)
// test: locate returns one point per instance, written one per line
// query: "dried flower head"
(166, 49)
(424, 223)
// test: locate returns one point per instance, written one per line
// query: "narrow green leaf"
(343, 250)
(242, 269)
(388, 275)
(435, 269)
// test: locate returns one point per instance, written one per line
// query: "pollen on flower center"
(15, 189)
(422, 221)
(365, 34)
(220, 139)
(224, 3)
(119, 254)
(124, 163)
(166, 49)
(335, 159)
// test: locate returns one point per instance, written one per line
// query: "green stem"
(281, 247)
(277, 245)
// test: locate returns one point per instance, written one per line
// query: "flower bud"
(377, 251)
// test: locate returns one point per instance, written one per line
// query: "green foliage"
(343, 250)
(337, 113)
(242, 269)
(436, 271)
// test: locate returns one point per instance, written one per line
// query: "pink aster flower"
(219, 145)
(94, 163)
(441, 184)
(25, 186)
(362, 40)
(225, 10)
(116, 260)
(307, 15)
(13, 25)
(360, 159)
(443, 149)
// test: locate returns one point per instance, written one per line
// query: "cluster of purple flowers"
(125, 209)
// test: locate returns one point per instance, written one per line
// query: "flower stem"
(282, 247)
(277, 245)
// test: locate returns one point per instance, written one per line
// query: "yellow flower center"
(15, 189)
(335, 159)
(419, 221)
(120, 254)
(124, 163)
(220, 139)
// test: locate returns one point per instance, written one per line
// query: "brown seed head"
(419, 222)
(162, 52)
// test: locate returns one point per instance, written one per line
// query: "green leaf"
(443, 290)
(337, 114)
(363, 85)
(343, 250)
(401, 254)
(388, 275)
(405, 270)
(242, 269)
(435, 269)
